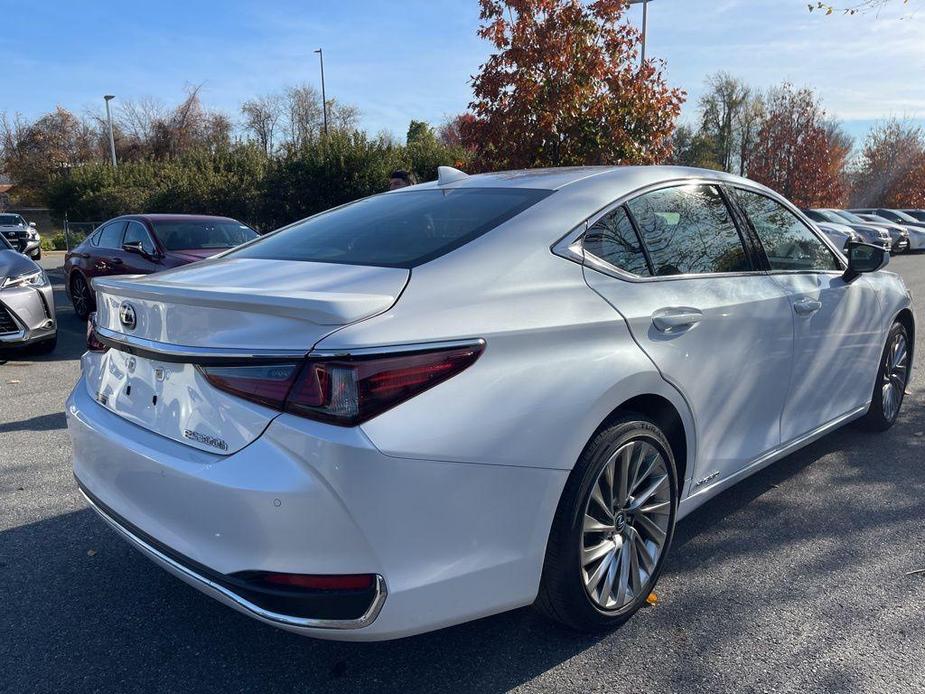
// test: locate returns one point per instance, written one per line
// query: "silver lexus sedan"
(467, 396)
(27, 303)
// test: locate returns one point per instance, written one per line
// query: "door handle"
(807, 306)
(116, 261)
(669, 320)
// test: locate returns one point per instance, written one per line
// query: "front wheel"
(890, 386)
(612, 529)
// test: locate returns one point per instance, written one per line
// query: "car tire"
(891, 382)
(81, 296)
(576, 590)
(45, 346)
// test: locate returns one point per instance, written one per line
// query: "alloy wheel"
(626, 524)
(81, 296)
(895, 373)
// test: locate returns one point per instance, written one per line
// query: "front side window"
(689, 230)
(788, 242)
(401, 229)
(136, 233)
(111, 235)
(194, 235)
(613, 239)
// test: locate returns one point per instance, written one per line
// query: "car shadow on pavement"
(47, 422)
(84, 611)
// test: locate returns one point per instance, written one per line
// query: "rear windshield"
(395, 230)
(10, 220)
(191, 235)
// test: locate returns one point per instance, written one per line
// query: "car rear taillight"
(265, 384)
(344, 390)
(93, 342)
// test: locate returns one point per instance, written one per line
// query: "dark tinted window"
(136, 233)
(188, 235)
(11, 220)
(4, 244)
(401, 229)
(788, 242)
(613, 238)
(689, 230)
(110, 236)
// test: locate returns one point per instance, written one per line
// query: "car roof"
(168, 217)
(558, 178)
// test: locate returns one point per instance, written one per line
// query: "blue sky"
(413, 58)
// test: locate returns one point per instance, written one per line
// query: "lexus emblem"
(127, 315)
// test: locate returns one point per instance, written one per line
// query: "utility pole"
(324, 100)
(645, 25)
(112, 141)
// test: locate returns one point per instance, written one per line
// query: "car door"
(107, 255)
(675, 265)
(135, 263)
(837, 325)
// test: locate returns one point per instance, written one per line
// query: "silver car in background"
(27, 304)
(22, 235)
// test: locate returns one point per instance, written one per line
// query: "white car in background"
(839, 234)
(21, 235)
(467, 396)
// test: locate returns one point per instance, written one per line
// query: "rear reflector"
(346, 390)
(93, 342)
(321, 582)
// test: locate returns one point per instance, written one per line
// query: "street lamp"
(112, 141)
(324, 101)
(645, 21)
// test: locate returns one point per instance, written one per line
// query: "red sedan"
(141, 244)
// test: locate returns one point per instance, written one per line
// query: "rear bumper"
(452, 541)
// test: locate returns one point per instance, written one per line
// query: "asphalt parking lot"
(799, 579)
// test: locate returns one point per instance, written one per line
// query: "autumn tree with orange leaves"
(798, 152)
(891, 172)
(564, 88)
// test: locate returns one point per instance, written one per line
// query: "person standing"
(401, 179)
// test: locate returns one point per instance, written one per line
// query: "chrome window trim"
(162, 351)
(365, 620)
(570, 246)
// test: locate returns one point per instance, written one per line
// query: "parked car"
(145, 243)
(27, 304)
(899, 234)
(22, 235)
(914, 226)
(869, 233)
(918, 215)
(839, 234)
(459, 398)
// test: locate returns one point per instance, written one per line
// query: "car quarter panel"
(558, 360)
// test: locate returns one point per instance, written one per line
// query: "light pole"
(112, 141)
(645, 22)
(324, 101)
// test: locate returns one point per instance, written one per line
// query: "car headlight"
(30, 279)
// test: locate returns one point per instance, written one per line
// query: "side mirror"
(864, 257)
(136, 248)
(32, 224)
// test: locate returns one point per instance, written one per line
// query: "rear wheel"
(81, 297)
(612, 529)
(890, 386)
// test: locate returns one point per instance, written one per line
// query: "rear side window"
(110, 236)
(613, 239)
(689, 230)
(402, 229)
(788, 242)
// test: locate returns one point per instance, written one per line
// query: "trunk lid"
(225, 306)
